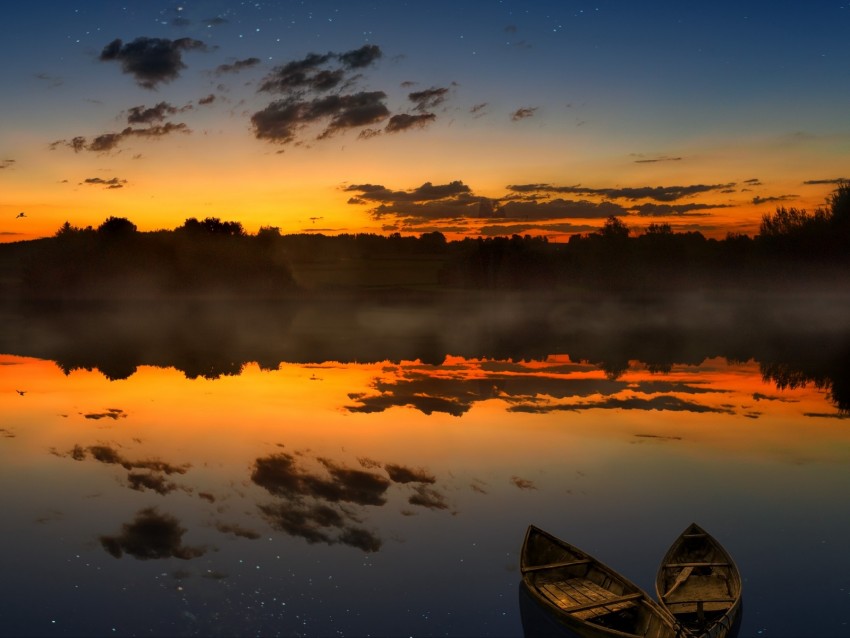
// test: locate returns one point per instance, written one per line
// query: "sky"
(472, 118)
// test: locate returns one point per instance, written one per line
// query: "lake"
(370, 468)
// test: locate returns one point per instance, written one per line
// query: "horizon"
(539, 119)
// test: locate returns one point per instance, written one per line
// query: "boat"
(699, 584)
(586, 596)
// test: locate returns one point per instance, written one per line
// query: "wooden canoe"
(585, 595)
(699, 584)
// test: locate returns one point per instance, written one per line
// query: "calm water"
(160, 481)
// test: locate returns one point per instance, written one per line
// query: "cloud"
(100, 144)
(111, 183)
(425, 496)
(428, 99)
(318, 506)
(560, 208)
(657, 193)
(215, 21)
(316, 90)
(663, 158)
(779, 198)
(209, 99)
(7, 163)
(280, 475)
(151, 477)
(235, 529)
(151, 61)
(401, 474)
(362, 57)
(236, 66)
(425, 192)
(523, 484)
(403, 121)
(674, 210)
(310, 72)
(661, 403)
(836, 180)
(151, 535)
(157, 113)
(523, 113)
(107, 142)
(282, 120)
(478, 109)
(141, 481)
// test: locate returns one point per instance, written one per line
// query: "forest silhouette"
(211, 258)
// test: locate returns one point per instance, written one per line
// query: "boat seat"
(672, 565)
(585, 599)
(566, 563)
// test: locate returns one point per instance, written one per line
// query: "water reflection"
(296, 478)
(212, 340)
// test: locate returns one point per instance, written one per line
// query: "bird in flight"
(21, 392)
(21, 214)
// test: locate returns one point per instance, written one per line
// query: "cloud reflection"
(151, 535)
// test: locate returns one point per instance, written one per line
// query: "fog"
(804, 333)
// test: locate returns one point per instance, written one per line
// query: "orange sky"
(279, 115)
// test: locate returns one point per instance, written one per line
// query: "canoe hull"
(586, 596)
(700, 585)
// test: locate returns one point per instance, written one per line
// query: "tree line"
(211, 257)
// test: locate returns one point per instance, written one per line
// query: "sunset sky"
(472, 118)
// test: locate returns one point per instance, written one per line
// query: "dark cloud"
(317, 91)
(209, 99)
(428, 99)
(560, 208)
(280, 475)
(836, 180)
(523, 113)
(107, 142)
(141, 481)
(401, 474)
(674, 210)
(404, 121)
(152, 470)
(295, 75)
(523, 484)
(766, 200)
(157, 113)
(235, 529)
(657, 193)
(102, 143)
(282, 120)
(151, 60)
(236, 66)
(478, 109)
(657, 159)
(323, 504)
(215, 21)
(753, 181)
(661, 403)
(111, 183)
(111, 413)
(362, 57)
(7, 163)
(425, 496)
(423, 193)
(151, 535)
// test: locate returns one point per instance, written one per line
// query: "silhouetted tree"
(116, 226)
